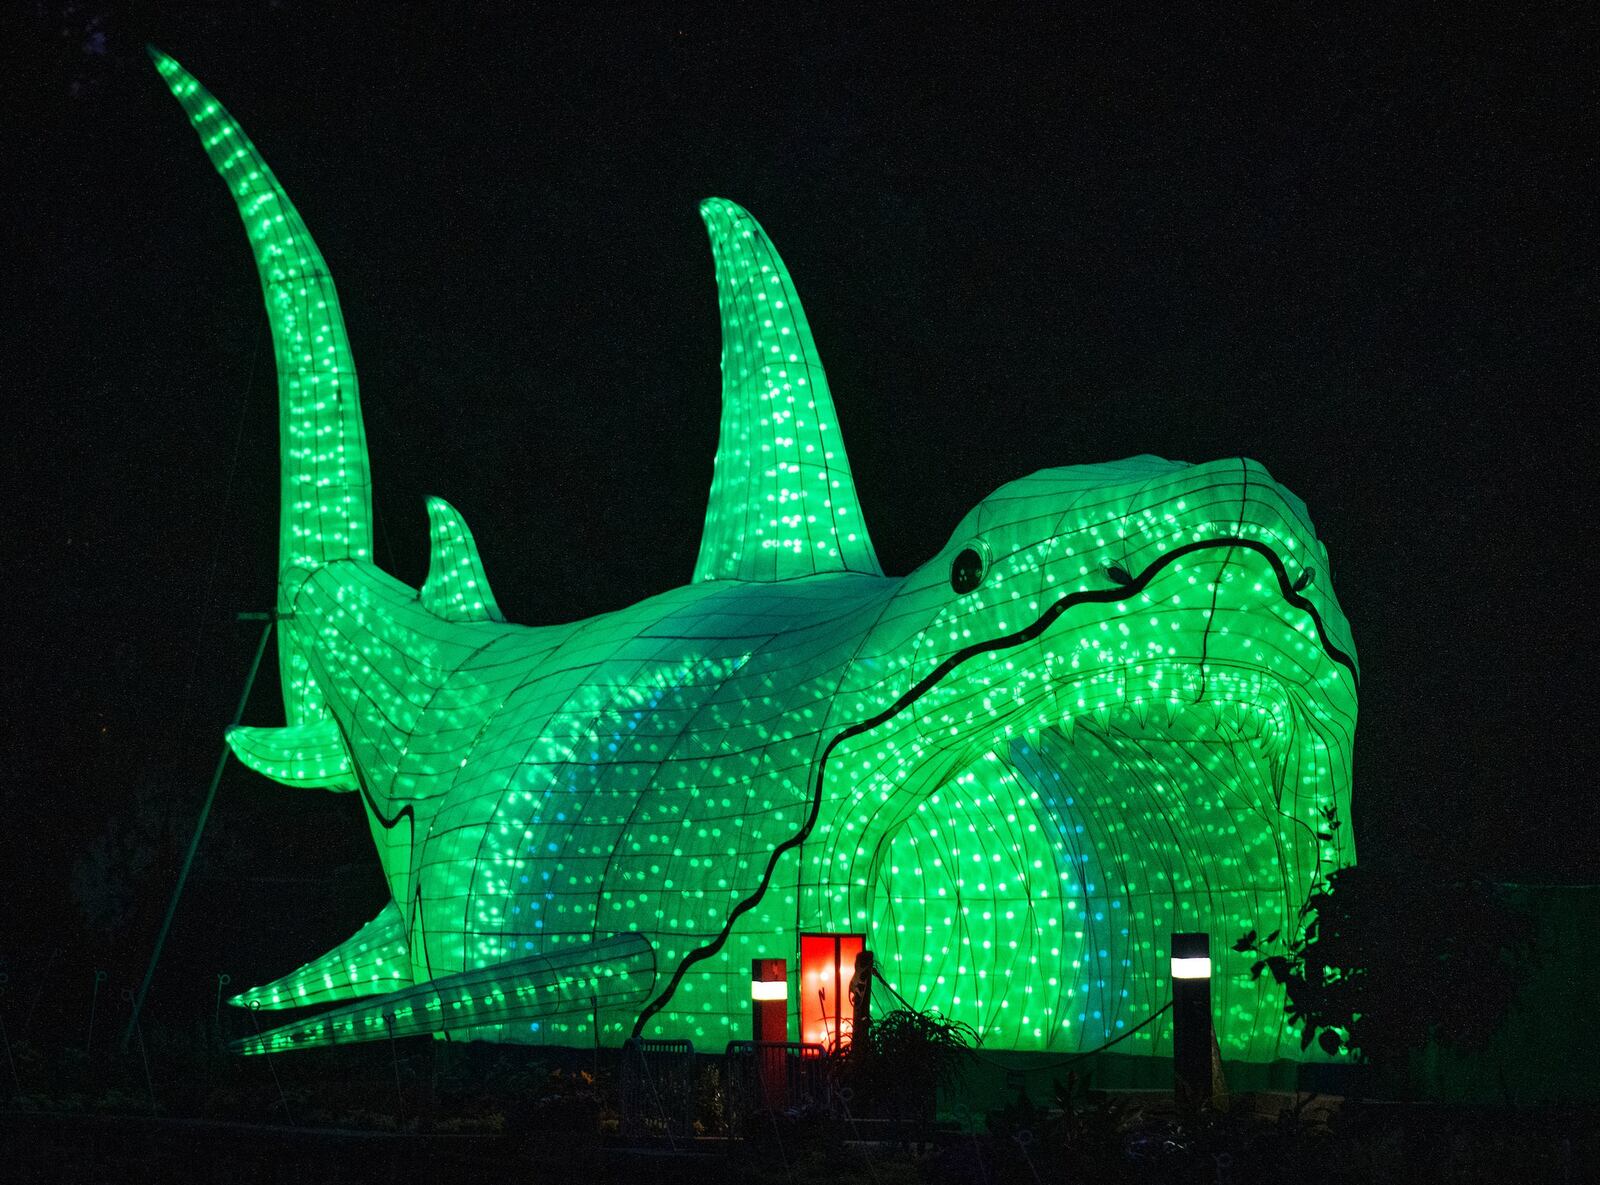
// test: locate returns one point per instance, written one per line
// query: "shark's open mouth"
(1069, 820)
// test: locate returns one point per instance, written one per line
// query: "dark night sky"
(1357, 252)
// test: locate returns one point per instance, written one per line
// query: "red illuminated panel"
(827, 961)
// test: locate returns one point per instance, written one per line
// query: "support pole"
(861, 997)
(769, 1028)
(200, 824)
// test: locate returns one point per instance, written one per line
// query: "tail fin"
(326, 509)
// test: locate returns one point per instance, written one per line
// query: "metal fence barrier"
(657, 1090)
(785, 1076)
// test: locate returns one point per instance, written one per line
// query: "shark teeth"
(1252, 710)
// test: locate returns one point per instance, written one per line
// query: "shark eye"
(966, 570)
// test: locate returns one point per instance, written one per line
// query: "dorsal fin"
(456, 588)
(783, 502)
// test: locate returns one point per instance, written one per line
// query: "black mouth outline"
(1105, 596)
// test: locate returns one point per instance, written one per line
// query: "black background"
(1355, 249)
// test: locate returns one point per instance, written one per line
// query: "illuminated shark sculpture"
(1119, 702)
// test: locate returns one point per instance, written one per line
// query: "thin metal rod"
(255, 1007)
(38, 994)
(394, 1055)
(199, 829)
(94, 1002)
(6, 1041)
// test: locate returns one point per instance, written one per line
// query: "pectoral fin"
(371, 962)
(610, 978)
(310, 755)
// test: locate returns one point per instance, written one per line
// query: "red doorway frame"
(827, 962)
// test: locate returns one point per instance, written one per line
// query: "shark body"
(1119, 702)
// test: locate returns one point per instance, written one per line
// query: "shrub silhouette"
(1391, 958)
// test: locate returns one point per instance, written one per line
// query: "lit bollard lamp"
(769, 1000)
(1191, 1018)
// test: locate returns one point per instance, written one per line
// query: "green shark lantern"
(1119, 702)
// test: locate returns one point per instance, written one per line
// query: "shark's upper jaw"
(1146, 585)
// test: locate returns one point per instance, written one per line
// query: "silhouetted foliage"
(899, 1064)
(1391, 958)
(1086, 1136)
(121, 882)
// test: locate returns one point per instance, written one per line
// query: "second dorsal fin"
(783, 502)
(310, 755)
(456, 588)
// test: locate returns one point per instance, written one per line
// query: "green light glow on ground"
(1116, 704)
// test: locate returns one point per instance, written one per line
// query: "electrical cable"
(1077, 1057)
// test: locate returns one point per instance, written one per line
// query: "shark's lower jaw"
(1032, 893)
(1020, 845)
